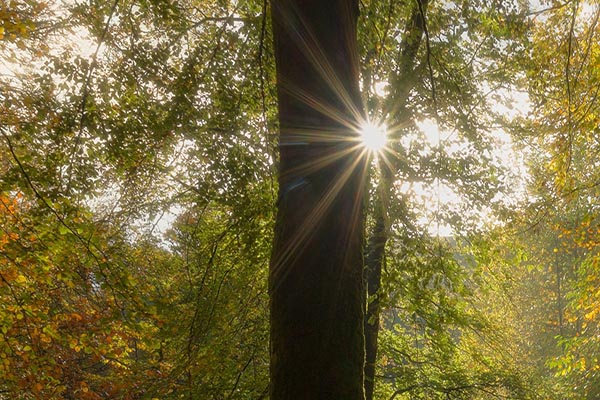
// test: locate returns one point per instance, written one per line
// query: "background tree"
(437, 62)
(99, 118)
(558, 137)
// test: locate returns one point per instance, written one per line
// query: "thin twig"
(569, 88)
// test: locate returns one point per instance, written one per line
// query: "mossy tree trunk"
(315, 282)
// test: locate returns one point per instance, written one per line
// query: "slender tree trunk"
(316, 273)
(375, 251)
(373, 263)
(559, 305)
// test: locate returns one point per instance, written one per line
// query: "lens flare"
(373, 136)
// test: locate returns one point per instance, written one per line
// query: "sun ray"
(311, 223)
(305, 39)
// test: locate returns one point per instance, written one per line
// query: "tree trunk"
(373, 263)
(316, 280)
(375, 252)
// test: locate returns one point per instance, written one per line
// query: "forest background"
(138, 162)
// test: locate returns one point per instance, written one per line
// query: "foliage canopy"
(138, 159)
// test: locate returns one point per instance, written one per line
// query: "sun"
(373, 136)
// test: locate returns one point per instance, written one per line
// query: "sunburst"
(373, 136)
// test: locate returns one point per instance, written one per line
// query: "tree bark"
(316, 272)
